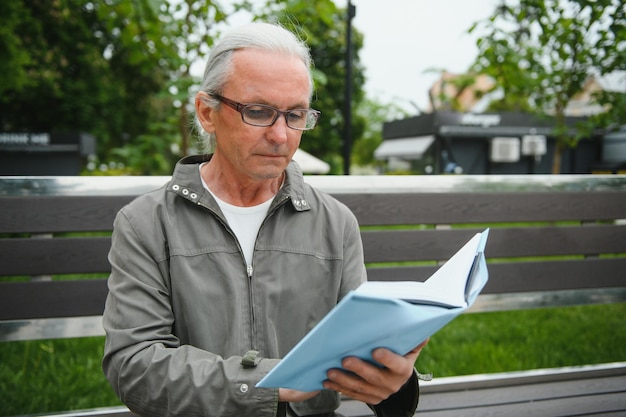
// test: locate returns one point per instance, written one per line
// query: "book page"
(414, 292)
(446, 287)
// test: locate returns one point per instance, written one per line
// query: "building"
(37, 153)
(457, 137)
(446, 142)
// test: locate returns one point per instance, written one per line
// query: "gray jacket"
(183, 308)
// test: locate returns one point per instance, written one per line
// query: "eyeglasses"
(263, 115)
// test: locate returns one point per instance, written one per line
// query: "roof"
(310, 164)
(410, 148)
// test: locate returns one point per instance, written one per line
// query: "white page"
(412, 291)
(445, 287)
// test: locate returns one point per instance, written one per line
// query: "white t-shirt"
(245, 222)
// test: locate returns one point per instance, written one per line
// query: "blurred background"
(405, 87)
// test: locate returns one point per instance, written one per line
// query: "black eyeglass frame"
(241, 107)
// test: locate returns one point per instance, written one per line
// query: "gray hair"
(264, 36)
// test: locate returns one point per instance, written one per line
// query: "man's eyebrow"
(294, 107)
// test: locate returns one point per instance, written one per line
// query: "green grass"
(55, 375)
(527, 339)
(52, 375)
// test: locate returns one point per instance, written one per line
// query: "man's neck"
(236, 191)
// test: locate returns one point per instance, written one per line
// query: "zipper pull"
(249, 270)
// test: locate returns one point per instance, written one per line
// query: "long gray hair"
(264, 36)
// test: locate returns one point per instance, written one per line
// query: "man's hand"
(369, 383)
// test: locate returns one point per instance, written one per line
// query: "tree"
(120, 70)
(375, 113)
(115, 69)
(542, 51)
(194, 24)
(82, 66)
(323, 26)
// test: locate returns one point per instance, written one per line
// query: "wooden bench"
(554, 241)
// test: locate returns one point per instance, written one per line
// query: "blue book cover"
(395, 315)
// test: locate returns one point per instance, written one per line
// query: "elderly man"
(218, 274)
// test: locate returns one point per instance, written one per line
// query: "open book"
(395, 315)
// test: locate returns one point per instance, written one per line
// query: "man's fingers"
(397, 363)
(370, 383)
(354, 387)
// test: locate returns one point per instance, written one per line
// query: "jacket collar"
(186, 183)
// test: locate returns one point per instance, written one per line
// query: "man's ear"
(204, 112)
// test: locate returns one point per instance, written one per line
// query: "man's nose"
(279, 131)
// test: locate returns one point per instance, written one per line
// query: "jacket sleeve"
(401, 404)
(148, 368)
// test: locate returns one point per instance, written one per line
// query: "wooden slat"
(84, 213)
(46, 299)
(42, 256)
(524, 377)
(27, 300)
(48, 214)
(511, 402)
(420, 245)
(572, 395)
(546, 395)
(529, 276)
(590, 240)
(35, 256)
(451, 208)
(556, 275)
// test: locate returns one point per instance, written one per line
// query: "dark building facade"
(44, 153)
(490, 143)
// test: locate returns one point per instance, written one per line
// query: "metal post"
(347, 137)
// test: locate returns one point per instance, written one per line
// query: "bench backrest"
(554, 240)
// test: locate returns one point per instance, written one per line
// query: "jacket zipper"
(250, 272)
(253, 336)
(249, 268)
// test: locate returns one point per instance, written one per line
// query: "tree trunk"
(560, 139)
(556, 159)
(183, 124)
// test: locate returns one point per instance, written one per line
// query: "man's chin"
(269, 172)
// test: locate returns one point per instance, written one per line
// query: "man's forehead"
(256, 70)
(258, 55)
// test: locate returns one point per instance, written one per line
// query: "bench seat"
(584, 390)
(554, 241)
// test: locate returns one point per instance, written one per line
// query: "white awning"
(405, 148)
(310, 164)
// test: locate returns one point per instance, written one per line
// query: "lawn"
(54, 375)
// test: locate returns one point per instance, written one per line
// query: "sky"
(404, 39)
